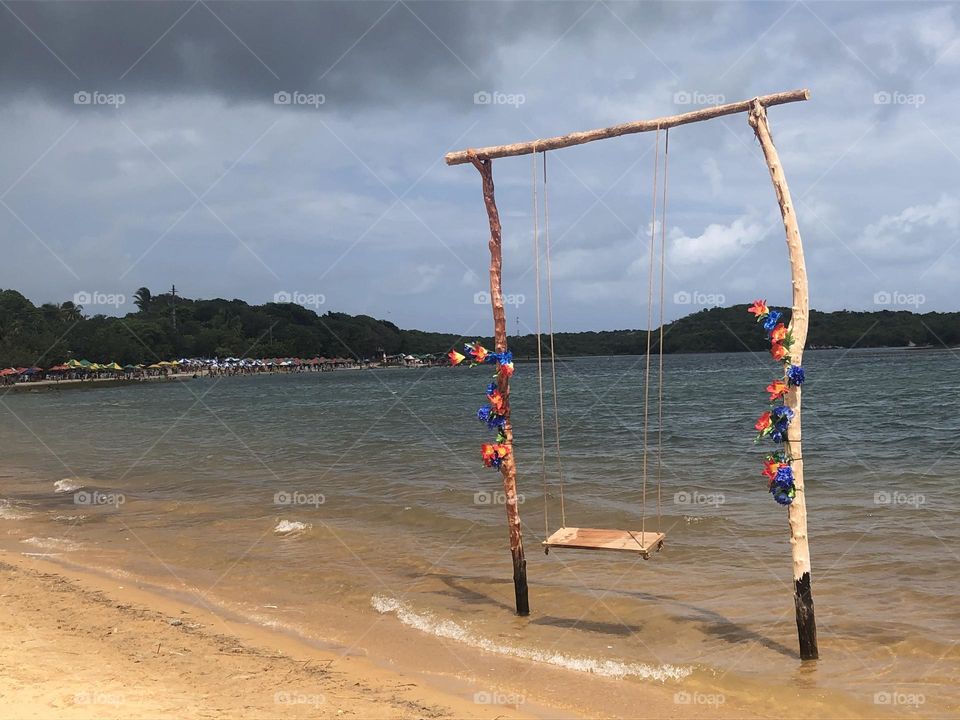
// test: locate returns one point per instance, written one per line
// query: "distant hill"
(52, 333)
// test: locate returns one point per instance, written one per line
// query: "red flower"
(779, 333)
(763, 422)
(759, 308)
(506, 369)
(455, 357)
(770, 468)
(777, 389)
(493, 453)
(479, 352)
(778, 351)
(496, 401)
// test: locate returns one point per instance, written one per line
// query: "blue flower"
(772, 319)
(777, 436)
(782, 496)
(491, 388)
(795, 375)
(784, 477)
(781, 412)
(488, 416)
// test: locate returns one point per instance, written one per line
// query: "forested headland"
(52, 333)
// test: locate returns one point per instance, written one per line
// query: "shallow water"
(365, 490)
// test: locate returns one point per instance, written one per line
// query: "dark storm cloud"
(354, 51)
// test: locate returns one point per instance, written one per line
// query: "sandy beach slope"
(70, 650)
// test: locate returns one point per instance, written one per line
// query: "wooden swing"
(640, 541)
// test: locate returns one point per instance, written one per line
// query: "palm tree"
(71, 311)
(142, 298)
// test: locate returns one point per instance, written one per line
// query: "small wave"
(69, 518)
(9, 512)
(451, 630)
(51, 543)
(67, 485)
(291, 527)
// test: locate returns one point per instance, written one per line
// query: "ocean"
(360, 495)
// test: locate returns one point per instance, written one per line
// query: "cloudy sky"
(245, 150)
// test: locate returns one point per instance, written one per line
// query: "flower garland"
(774, 422)
(491, 414)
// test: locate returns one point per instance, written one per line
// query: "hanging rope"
(553, 354)
(646, 380)
(663, 252)
(543, 433)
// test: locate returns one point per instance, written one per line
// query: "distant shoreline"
(98, 383)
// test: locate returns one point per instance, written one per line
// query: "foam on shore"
(52, 543)
(10, 512)
(291, 527)
(67, 485)
(425, 622)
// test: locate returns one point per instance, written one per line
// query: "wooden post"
(508, 468)
(797, 512)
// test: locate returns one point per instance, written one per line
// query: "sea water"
(365, 489)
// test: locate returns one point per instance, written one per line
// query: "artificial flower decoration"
(493, 454)
(774, 424)
(783, 495)
(795, 375)
(764, 425)
(773, 317)
(478, 352)
(777, 389)
(493, 414)
(781, 414)
(770, 468)
(491, 418)
(784, 476)
(759, 308)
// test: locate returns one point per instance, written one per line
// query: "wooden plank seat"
(633, 541)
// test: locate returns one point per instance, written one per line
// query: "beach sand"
(70, 648)
(76, 644)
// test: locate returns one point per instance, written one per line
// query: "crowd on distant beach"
(84, 370)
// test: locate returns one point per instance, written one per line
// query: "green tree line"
(53, 333)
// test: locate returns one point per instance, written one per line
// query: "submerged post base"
(806, 622)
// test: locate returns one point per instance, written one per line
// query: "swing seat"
(642, 543)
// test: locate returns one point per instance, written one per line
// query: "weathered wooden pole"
(797, 511)
(508, 468)
(637, 126)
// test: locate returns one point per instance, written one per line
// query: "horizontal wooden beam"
(639, 126)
